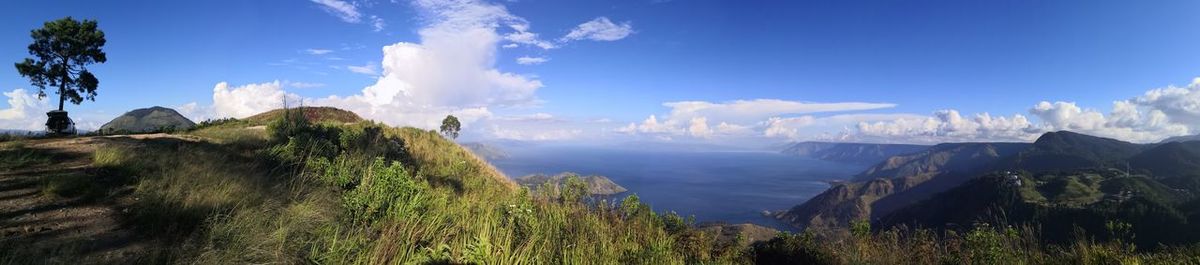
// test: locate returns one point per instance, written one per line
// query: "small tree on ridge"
(451, 127)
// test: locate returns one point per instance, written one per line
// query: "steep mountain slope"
(1174, 163)
(897, 182)
(1064, 150)
(1059, 204)
(940, 159)
(147, 119)
(862, 153)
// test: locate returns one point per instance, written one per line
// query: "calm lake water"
(734, 187)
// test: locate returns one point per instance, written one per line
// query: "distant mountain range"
(861, 153)
(596, 185)
(486, 151)
(1184, 138)
(1062, 180)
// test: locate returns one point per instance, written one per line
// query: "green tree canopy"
(450, 126)
(62, 49)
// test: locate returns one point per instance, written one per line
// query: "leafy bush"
(386, 189)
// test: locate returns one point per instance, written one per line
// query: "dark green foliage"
(450, 126)
(788, 248)
(295, 138)
(385, 187)
(215, 123)
(573, 189)
(62, 49)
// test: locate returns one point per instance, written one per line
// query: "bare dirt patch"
(88, 228)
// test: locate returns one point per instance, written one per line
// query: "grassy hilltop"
(328, 189)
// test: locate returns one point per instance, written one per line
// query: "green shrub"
(386, 189)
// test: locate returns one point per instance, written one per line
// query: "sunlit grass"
(365, 193)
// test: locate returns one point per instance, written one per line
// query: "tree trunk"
(62, 96)
(62, 85)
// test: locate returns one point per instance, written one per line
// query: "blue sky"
(728, 72)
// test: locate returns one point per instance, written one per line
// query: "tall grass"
(364, 193)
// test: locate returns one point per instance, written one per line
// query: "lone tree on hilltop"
(450, 127)
(62, 49)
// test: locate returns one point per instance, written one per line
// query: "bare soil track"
(82, 229)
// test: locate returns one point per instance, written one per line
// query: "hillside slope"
(1064, 150)
(305, 192)
(316, 114)
(147, 119)
(896, 182)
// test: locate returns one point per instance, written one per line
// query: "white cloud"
(450, 71)
(652, 126)
(749, 118)
(342, 9)
(195, 112)
(534, 135)
(536, 117)
(523, 36)
(599, 29)
(698, 127)
(526, 60)
(950, 126)
(367, 69)
(747, 111)
(25, 111)
(377, 23)
(1180, 104)
(247, 100)
(303, 84)
(317, 51)
(510, 45)
(833, 127)
(1127, 121)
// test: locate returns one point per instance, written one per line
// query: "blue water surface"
(734, 187)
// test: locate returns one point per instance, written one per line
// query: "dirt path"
(75, 230)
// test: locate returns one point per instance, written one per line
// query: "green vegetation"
(366, 193)
(321, 114)
(450, 127)
(327, 192)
